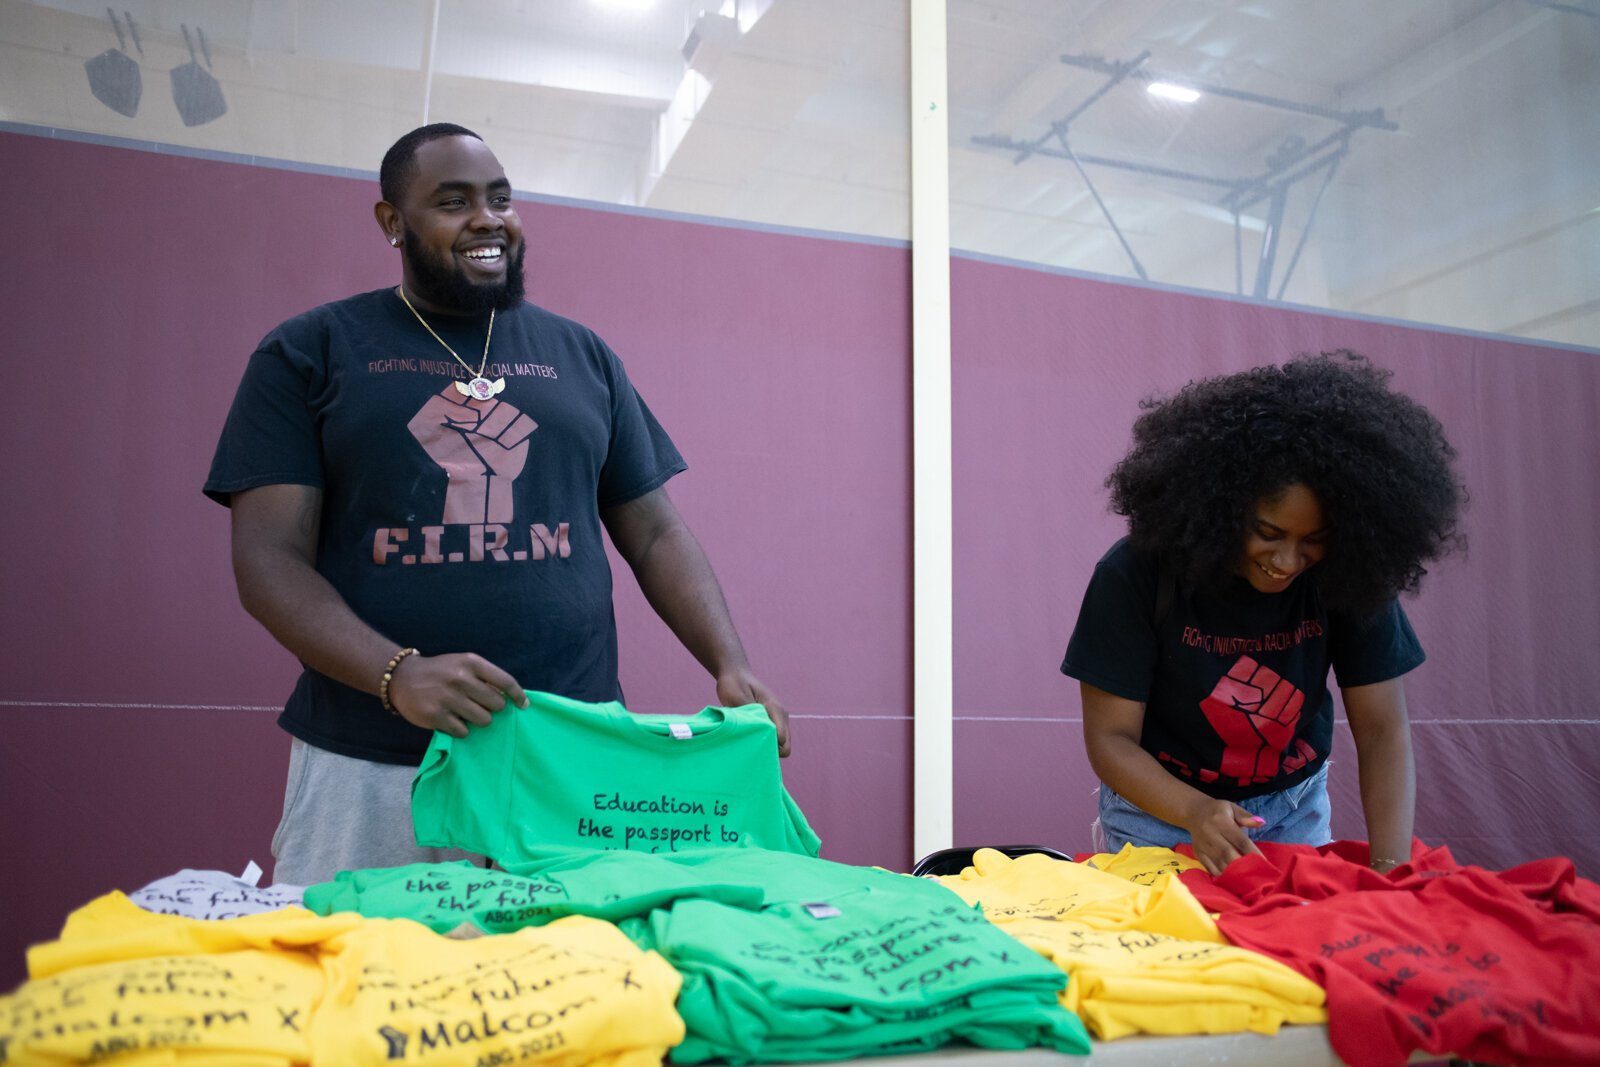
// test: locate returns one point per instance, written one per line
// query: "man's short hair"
(399, 163)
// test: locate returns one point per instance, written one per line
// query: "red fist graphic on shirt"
(1255, 712)
(482, 446)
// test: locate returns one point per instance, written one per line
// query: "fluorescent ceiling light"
(627, 5)
(1168, 91)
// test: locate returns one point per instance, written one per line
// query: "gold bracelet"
(1373, 861)
(388, 676)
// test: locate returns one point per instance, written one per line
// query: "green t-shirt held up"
(562, 774)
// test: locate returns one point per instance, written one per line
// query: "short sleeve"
(640, 457)
(270, 436)
(1365, 652)
(1113, 646)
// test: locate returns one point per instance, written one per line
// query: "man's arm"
(274, 563)
(677, 580)
(1382, 734)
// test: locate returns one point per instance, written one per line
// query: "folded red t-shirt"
(1433, 956)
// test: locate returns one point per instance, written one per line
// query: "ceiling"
(1439, 156)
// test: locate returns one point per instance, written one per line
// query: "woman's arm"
(1111, 728)
(1382, 734)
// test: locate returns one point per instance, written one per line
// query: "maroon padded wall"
(1049, 370)
(137, 696)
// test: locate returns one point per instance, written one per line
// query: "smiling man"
(421, 479)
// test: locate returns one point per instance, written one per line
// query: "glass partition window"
(1433, 161)
(778, 112)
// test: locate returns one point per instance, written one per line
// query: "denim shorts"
(1298, 815)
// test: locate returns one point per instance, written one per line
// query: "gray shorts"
(344, 814)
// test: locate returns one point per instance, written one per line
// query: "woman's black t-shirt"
(1235, 684)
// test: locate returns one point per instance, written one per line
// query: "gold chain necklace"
(479, 388)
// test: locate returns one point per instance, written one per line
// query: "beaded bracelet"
(388, 676)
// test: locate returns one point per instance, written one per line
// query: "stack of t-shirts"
(125, 984)
(212, 895)
(783, 957)
(288, 987)
(1450, 960)
(1140, 959)
(841, 962)
(561, 774)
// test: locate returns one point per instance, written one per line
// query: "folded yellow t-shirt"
(229, 1009)
(573, 991)
(1143, 863)
(1140, 958)
(112, 927)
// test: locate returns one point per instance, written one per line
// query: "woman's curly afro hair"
(1377, 460)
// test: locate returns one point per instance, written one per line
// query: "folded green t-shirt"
(442, 896)
(868, 972)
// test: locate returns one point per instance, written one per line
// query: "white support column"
(933, 617)
(429, 43)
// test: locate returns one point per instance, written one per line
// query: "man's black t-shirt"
(1235, 684)
(448, 524)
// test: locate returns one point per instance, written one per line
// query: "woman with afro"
(1273, 518)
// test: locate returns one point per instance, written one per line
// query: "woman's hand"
(1216, 830)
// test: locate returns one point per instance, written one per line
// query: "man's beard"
(444, 283)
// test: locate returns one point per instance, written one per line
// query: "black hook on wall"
(195, 89)
(114, 76)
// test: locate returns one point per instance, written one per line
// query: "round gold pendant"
(481, 388)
